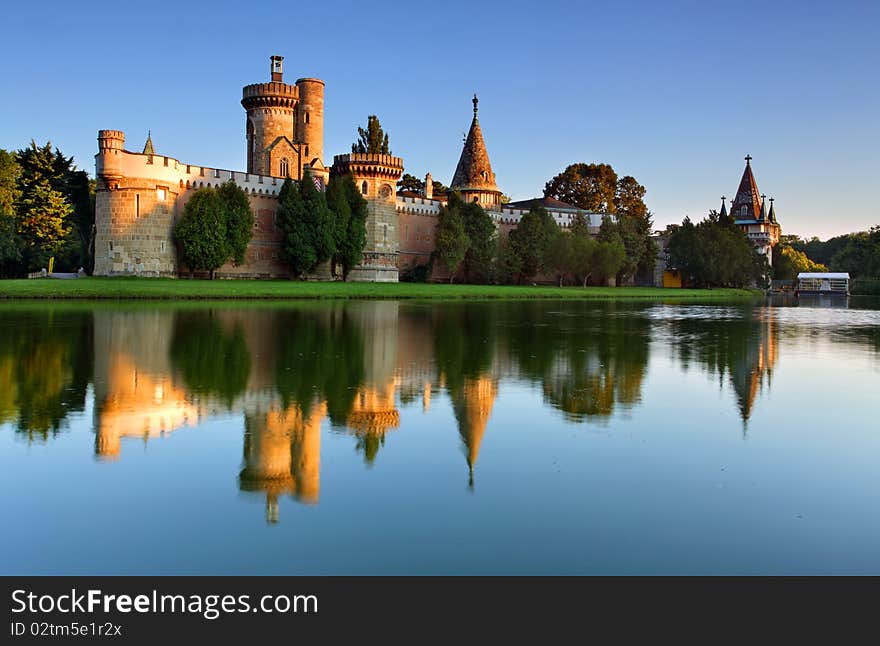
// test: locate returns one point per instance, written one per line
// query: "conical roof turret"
(148, 147)
(474, 171)
(747, 203)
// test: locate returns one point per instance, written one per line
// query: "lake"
(383, 437)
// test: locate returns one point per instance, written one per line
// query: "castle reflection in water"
(350, 367)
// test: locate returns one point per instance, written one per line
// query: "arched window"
(285, 167)
(744, 210)
(364, 188)
(307, 117)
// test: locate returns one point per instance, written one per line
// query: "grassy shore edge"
(181, 289)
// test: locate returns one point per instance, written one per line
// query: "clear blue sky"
(675, 94)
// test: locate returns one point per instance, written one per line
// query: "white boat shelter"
(823, 283)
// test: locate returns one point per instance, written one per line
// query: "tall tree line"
(47, 210)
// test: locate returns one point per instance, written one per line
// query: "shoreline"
(137, 289)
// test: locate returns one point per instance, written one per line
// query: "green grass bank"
(184, 289)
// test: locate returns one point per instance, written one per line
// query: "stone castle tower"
(284, 125)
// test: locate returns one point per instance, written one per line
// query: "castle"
(139, 196)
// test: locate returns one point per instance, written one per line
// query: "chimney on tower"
(429, 187)
(276, 68)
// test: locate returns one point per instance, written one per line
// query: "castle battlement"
(170, 172)
(369, 165)
(271, 94)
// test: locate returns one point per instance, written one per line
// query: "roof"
(826, 274)
(148, 147)
(549, 203)
(474, 171)
(747, 195)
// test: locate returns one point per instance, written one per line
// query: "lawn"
(167, 288)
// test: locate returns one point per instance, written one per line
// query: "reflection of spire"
(473, 407)
(282, 455)
(756, 363)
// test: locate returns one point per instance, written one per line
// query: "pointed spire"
(148, 147)
(474, 171)
(747, 203)
(772, 214)
(723, 206)
(764, 207)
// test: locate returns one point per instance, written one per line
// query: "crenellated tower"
(376, 177)
(284, 127)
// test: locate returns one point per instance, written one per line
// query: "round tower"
(375, 176)
(310, 119)
(271, 109)
(108, 163)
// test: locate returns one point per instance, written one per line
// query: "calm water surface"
(385, 437)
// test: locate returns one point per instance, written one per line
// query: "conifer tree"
(452, 238)
(372, 140)
(350, 217)
(239, 220)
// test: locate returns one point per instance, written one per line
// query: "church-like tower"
(749, 209)
(285, 124)
(473, 177)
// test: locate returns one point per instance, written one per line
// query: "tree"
(10, 172)
(411, 183)
(482, 241)
(561, 256)
(43, 222)
(532, 240)
(10, 247)
(201, 232)
(307, 223)
(629, 198)
(239, 220)
(789, 262)
(508, 264)
(350, 218)
(716, 252)
(582, 257)
(373, 140)
(452, 238)
(592, 187)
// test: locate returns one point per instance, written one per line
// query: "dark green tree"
(350, 222)
(201, 232)
(308, 226)
(452, 238)
(716, 253)
(239, 220)
(43, 222)
(10, 247)
(482, 241)
(533, 239)
(372, 140)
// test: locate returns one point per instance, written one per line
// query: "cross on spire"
(476, 101)
(723, 199)
(748, 160)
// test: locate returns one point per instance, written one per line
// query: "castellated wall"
(140, 197)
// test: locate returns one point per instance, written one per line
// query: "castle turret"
(271, 109)
(310, 119)
(473, 177)
(375, 177)
(108, 163)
